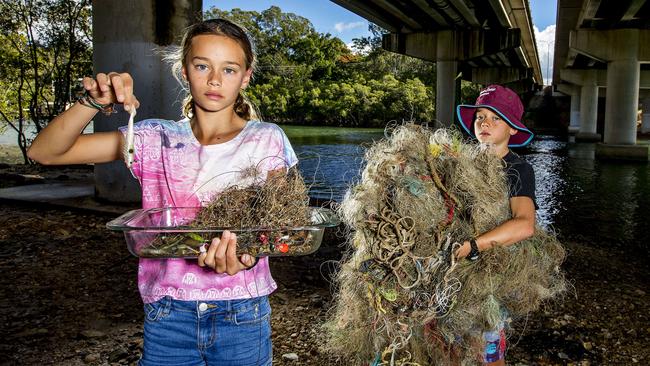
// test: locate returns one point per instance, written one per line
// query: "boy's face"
(491, 129)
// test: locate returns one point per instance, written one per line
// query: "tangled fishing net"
(402, 297)
(281, 200)
(266, 215)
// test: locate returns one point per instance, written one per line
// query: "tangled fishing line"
(402, 298)
(263, 213)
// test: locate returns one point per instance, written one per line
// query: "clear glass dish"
(166, 233)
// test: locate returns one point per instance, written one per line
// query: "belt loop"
(167, 305)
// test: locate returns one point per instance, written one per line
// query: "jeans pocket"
(157, 310)
(253, 311)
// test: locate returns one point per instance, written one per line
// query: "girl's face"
(216, 71)
(491, 129)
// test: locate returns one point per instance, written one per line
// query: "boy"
(495, 120)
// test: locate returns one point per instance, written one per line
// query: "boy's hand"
(112, 88)
(222, 255)
(463, 250)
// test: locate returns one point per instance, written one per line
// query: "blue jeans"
(193, 333)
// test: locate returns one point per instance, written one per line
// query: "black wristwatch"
(474, 254)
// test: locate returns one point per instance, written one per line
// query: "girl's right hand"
(221, 255)
(112, 88)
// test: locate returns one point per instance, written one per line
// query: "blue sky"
(328, 17)
(325, 15)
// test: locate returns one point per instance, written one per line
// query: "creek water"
(584, 199)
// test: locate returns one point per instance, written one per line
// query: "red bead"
(283, 248)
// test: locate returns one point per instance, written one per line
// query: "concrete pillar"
(446, 71)
(588, 108)
(127, 37)
(645, 123)
(622, 100)
(574, 125)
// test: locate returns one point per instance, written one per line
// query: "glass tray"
(165, 233)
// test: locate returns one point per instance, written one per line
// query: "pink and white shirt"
(175, 170)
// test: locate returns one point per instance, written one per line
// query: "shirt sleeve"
(521, 181)
(280, 154)
(289, 155)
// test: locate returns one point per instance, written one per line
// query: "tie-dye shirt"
(174, 169)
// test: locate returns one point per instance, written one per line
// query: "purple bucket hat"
(505, 103)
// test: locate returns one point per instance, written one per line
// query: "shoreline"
(10, 154)
(96, 318)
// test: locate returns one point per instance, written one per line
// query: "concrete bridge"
(486, 41)
(602, 49)
(598, 45)
(131, 36)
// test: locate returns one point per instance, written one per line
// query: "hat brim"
(466, 112)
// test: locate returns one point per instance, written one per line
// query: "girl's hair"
(220, 27)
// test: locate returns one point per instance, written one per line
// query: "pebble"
(31, 332)
(93, 357)
(282, 298)
(316, 300)
(290, 356)
(563, 356)
(90, 333)
(587, 346)
(117, 354)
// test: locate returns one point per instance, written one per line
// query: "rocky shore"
(68, 295)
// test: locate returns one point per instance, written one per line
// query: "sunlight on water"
(579, 197)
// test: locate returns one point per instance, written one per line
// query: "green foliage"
(44, 46)
(312, 78)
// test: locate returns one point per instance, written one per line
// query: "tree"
(44, 43)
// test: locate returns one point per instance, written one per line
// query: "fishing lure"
(130, 149)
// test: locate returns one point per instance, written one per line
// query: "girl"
(214, 310)
(495, 120)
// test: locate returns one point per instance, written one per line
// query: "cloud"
(545, 49)
(341, 27)
(362, 51)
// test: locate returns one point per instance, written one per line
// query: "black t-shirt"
(521, 177)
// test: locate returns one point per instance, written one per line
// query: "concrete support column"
(574, 125)
(622, 101)
(588, 108)
(127, 37)
(645, 123)
(446, 71)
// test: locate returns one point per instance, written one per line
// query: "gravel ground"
(69, 296)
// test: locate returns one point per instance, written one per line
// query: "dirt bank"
(68, 296)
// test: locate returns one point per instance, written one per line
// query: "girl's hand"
(222, 255)
(112, 88)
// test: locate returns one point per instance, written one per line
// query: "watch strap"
(474, 253)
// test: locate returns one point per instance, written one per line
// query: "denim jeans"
(193, 333)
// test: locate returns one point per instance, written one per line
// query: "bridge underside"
(485, 41)
(601, 47)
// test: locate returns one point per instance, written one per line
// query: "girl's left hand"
(222, 255)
